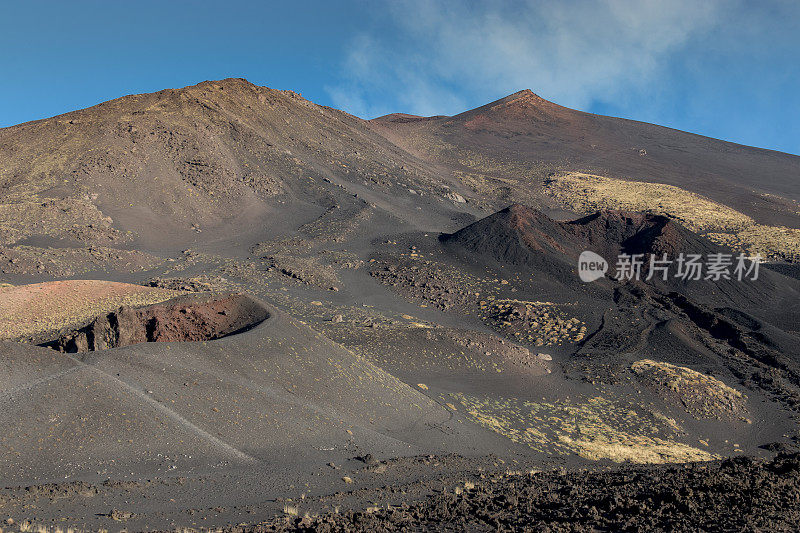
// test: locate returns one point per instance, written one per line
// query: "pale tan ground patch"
(28, 311)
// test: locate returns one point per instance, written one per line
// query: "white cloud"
(572, 52)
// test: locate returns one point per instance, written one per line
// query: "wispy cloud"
(442, 53)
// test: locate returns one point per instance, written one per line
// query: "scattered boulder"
(455, 197)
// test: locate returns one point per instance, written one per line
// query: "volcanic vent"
(185, 318)
(529, 239)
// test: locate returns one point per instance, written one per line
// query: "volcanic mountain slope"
(381, 346)
(505, 147)
(211, 157)
(114, 185)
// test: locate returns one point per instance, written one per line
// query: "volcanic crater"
(185, 318)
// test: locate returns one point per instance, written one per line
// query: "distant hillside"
(117, 184)
(513, 143)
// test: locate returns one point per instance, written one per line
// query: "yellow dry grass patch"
(28, 311)
(595, 428)
(638, 449)
(586, 193)
(769, 241)
(700, 394)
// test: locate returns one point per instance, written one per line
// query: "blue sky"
(725, 68)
